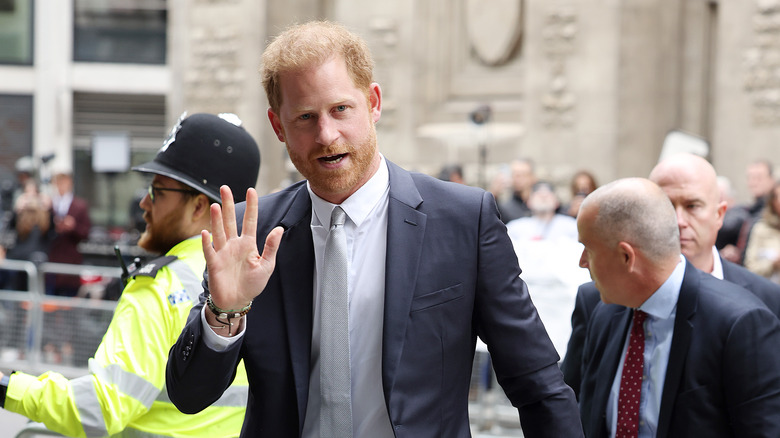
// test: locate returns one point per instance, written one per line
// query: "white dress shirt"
(366, 230)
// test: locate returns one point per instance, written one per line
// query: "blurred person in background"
(452, 173)
(32, 234)
(71, 225)
(548, 251)
(582, 183)
(544, 223)
(762, 254)
(124, 394)
(523, 178)
(760, 182)
(733, 220)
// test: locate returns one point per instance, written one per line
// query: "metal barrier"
(40, 332)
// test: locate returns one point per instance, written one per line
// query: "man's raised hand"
(237, 272)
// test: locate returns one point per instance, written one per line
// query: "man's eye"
(306, 117)
(341, 108)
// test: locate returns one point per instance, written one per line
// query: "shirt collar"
(360, 204)
(662, 302)
(717, 264)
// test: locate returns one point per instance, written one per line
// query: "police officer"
(124, 394)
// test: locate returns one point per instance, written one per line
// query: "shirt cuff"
(217, 342)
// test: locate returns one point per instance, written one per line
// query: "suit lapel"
(296, 288)
(405, 232)
(681, 339)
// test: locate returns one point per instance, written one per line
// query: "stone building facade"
(572, 84)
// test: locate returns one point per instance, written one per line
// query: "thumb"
(272, 242)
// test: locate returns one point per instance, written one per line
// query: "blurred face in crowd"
(170, 218)
(759, 179)
(64, 183)
(543, 200)
(327, 123)
(523, 177)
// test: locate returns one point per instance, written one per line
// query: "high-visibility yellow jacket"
(125, 394)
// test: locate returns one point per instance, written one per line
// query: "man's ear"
(276, 124)
(375, 101)
(627, 255)
(202, 207)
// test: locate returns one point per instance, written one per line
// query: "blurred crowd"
(541, 220)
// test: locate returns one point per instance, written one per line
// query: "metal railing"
(39, 332)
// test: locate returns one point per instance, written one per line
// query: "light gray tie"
(335, 374)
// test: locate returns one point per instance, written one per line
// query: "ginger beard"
(345, 178)
(161, 234)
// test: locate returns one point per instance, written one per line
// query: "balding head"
(630, 234)
(691, 183)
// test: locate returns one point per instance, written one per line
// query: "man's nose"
(327, 131)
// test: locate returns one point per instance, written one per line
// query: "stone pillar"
(214, 52)
(747, 114)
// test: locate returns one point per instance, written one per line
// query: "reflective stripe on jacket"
(124, 394)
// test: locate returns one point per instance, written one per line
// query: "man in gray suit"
(431, 267)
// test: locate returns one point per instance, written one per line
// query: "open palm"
(237, 271)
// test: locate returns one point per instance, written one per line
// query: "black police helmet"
(205, 151)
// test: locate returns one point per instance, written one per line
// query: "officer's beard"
(161, 234)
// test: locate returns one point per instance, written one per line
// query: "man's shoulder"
(722, 299)
(762, 287)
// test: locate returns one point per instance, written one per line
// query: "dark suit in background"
(452, 275)
(723, 377)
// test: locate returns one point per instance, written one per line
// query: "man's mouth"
(332, 159)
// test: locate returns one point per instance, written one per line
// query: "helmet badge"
(172, 136)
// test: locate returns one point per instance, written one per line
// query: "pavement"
(11, 424)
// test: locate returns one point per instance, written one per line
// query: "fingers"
(208, 250)
(216, 226)
(250, 214)
(228, 212)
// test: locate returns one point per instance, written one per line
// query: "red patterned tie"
(631, 381)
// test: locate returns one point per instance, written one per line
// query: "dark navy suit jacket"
(723, 376)
(451, 275)
(588, 297)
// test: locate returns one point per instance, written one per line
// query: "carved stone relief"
(494, 29)
(762, 64)
(559, 35)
